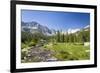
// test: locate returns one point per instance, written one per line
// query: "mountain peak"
(34, 27)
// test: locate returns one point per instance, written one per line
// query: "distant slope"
(34, 27)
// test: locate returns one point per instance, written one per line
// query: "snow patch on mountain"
(73, 30)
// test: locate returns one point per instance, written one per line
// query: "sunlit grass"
(69, 51)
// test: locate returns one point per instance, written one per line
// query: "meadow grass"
(69, 51)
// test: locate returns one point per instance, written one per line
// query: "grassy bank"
(69, 51)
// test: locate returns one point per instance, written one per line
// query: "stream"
(39, 54)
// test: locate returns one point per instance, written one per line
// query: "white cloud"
(87, 26)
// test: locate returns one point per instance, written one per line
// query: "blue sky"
(57, 20)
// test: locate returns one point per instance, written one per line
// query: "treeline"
(27, 37)
(79, 37)
(30, 39)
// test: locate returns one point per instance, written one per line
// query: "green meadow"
(69, 51)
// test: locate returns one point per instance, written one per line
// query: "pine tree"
(66, 37)
(63, 38)
(58, 36)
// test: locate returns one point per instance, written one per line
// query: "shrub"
(23, 45)
(32, 44)
(62, 55)
(23, 54)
